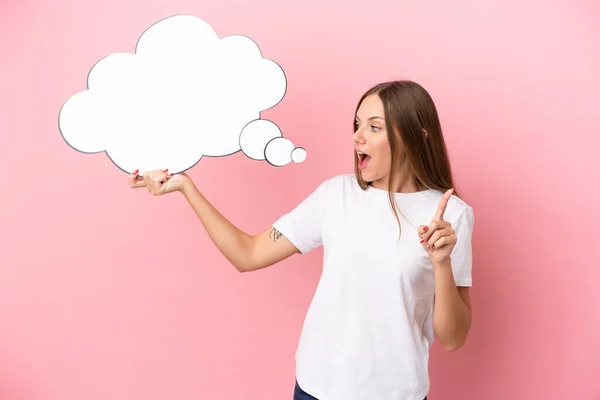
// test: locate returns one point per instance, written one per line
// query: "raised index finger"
(439, 214)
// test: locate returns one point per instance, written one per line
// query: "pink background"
(109, 293)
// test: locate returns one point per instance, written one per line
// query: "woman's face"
(371, 143)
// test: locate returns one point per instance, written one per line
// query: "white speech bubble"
(183, 95)
(256, 135)
(298, 155)
(279, 152)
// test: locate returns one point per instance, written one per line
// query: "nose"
(358, 136)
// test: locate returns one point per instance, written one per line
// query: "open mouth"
(363, 159)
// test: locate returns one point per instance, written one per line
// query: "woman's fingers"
(426, 232)
(437, 235)
(135, 181)
(445, 240)
(155, 181)
(429, 235)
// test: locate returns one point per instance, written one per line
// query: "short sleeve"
(462, 254)
(303, 225)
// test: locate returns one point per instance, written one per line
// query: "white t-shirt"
(369, 328)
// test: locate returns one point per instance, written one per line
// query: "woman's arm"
(452, 309)
(244, 251)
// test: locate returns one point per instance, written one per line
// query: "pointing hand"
(439, 238)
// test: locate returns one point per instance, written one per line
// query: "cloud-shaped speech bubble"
(184, 94)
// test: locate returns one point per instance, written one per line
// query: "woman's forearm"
(232, 242)
(451, 315)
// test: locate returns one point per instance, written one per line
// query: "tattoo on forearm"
(275, 234)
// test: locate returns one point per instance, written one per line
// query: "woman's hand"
(159, 182)
(439, 238)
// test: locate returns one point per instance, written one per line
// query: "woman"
(394, 237)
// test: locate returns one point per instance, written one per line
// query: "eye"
(374, 128)
(355, 126)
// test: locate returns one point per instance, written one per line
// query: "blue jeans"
(300, 394)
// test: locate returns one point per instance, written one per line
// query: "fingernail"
(424, 229)
(165, 170)
(136, 171)
(422, 240)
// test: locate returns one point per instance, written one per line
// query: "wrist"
(187, 186)
(445, 263)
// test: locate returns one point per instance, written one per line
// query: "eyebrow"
(376, 117)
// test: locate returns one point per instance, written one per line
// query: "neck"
(403, 182)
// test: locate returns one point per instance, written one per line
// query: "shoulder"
(458, 206)
(341, 179)
(338, 182)
(334, 189)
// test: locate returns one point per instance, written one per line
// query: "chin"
(368, 177)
